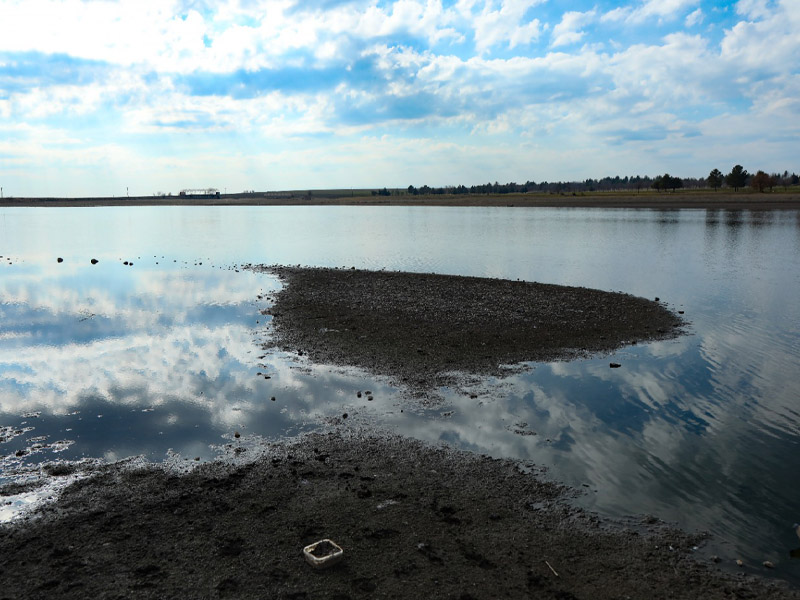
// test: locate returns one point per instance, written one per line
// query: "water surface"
(163, 358)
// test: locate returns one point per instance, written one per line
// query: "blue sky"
(158, 95)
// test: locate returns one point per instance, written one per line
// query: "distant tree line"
(737, 178)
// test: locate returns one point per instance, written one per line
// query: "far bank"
(701, 199)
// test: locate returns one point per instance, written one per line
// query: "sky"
(108, 98)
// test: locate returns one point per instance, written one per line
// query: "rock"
(59, 259)
(614, 365)
(236, 434)
(739, 562)
(768, 565)
(95, 261)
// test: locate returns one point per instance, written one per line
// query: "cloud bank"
(98, 96)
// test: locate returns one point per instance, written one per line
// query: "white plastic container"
(333, 556)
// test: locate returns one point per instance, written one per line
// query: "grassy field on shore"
(703, 199)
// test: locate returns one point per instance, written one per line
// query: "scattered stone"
(614, 365)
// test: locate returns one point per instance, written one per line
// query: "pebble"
(94, 261)
(768, 564)
(615, 365)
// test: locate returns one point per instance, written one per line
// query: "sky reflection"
(164, 359)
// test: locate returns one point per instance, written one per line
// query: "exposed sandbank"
(422, 329)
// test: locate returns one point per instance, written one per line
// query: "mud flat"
(414, 521)
(424, 330)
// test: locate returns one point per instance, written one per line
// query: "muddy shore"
(424, 331)
(725, 200)
(414, 522)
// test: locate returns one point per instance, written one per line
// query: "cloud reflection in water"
(703, 430)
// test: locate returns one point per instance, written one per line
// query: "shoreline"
(414, 520)
(744, 200)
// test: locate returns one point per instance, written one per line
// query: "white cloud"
(694, 18)
(649, 10)
(504, 25)
(568, 30)
(238, 77)
(753, 9)
(768, 46)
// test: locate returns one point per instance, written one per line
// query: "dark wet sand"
(701, 199)
(415, 521)
(424, 331)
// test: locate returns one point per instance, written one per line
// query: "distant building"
(200, 193)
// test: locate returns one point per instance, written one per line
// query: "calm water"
(163, 358)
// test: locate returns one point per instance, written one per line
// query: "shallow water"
(163, 358)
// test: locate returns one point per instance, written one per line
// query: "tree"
(714, 179)
(761, 180)
(673, 182)
(667, 182)
(737, 177)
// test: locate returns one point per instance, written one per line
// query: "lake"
(163, 358)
